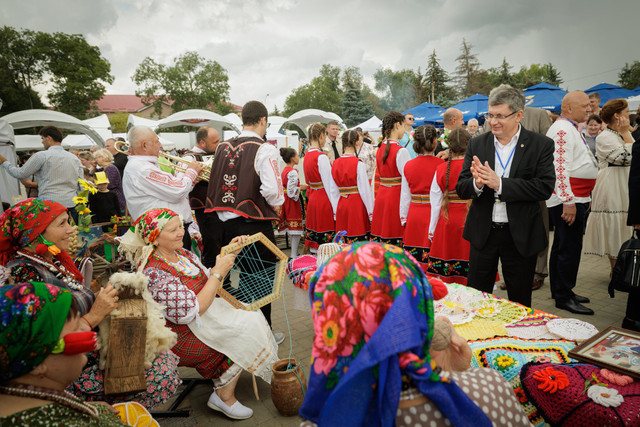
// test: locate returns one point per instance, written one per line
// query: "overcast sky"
(270, 47)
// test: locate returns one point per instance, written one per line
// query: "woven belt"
(420, 198)
(391, 182)
(454, 198)
(345, 191)
(316, 185)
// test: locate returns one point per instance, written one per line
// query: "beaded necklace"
(59, 270)
(183, 265)
(62, 397)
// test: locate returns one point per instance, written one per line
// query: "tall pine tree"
(355, 109)
(436, 81)
(467, 71)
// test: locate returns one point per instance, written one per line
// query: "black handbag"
(625, 276)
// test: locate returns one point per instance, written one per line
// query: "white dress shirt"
(499, 213)
(146, 187)
(266, 166)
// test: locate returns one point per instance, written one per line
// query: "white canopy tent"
(77, 142)
(197, 118)
(140, 121)
(235, 119)
(304, 118)
(634, 103)
(101, 125)
(275, 123)
(34, 118)
(373, 124)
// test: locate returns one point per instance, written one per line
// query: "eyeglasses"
(498, 116)
(410, 118)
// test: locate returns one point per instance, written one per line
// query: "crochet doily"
(480, 329)
(571, 329)
(453, 311)
(500, 310)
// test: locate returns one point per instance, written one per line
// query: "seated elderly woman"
(213, 337)
(374, 322)
(34, 240)
(42, 346)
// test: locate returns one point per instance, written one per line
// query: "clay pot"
(287, 393)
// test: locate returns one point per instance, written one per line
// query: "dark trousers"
(211, 229)
(240, 226)
(564, 259)
(517, 270)
(633, 306)
(186, 237)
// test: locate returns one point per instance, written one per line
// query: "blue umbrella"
(422, 111)
(545, 96)
(636, 90)
(608, 92)
(474, 107)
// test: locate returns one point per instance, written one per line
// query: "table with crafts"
(530, 349)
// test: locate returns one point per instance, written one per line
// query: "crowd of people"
(458, 203)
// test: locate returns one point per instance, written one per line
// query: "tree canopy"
(629, 76)
(74, 70)
(191, 82)
(322, 92)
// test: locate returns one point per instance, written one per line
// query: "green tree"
(118, 122)
(535, 74)
(501, 75)
(77, 72)
(397, 88)
(466, 74)
(355, 108)
(629, 76)
(437, 83)
(192, 82)
(323, 93)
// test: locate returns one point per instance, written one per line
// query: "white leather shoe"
(237, 411)
(279, 336)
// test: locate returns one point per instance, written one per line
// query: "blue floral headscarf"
(373, 320)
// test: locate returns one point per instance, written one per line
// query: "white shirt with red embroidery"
(572, 160)
(146, 187)
(266, 165)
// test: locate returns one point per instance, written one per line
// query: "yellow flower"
(86, 211)
(504, 361)
(80, 200)
(86, 185)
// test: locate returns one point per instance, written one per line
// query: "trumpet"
(204, 175)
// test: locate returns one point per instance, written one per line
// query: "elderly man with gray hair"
(472, 127)
(506, 173)
(147, 187)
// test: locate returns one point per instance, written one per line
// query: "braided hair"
(425, 139)
(316, 130)
(458, 139)
(388, 122)
(350, 138)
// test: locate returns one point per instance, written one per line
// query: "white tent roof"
(304, 118)
(32, 118)
(634, 102)
(374, 123)
(78, 142)
(196, 118)
(100, 122)
(235, 119)
(140, 121)
(275, 123)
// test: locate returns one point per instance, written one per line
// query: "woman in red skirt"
(449, 255)
(322, 191)
(415, 209)
(291, 215)
(355, 206)
(390, 160)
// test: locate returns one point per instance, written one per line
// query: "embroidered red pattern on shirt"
(166, 179)
(560, 169)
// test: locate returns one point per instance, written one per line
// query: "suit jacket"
(531, 180)
(328, 149)
(634, 186)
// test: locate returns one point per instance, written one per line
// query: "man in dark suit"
(506, 173)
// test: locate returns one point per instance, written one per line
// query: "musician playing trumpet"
(147, 187)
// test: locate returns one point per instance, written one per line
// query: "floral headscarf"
(24, 222)
(139, 242)
(373, 320)
(31, 318)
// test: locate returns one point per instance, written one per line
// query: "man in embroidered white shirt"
(147, 187)
(576, 171)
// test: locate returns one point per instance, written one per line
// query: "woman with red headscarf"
(34, 240)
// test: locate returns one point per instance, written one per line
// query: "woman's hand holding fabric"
(106, 301)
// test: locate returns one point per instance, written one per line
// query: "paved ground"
(593, 279)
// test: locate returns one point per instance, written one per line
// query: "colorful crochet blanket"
(297, 269)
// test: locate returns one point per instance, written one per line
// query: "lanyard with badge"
(503, 165)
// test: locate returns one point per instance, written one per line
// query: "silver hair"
(505, 94)
(472, 120)
(136, 135)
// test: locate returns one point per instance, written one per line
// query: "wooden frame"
(614, 348)
(278, 279)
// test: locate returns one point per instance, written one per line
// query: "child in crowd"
(355, 206)
(291, 215)
(415, 208)
(103, 204)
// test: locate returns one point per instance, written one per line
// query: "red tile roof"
(125, 103)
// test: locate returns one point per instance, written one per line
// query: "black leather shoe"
(628, 323)
(574, 307)
(580, 299)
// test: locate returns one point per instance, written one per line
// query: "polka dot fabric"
(572, 405)
(485, 387)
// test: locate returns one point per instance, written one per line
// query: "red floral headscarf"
(24, 222)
